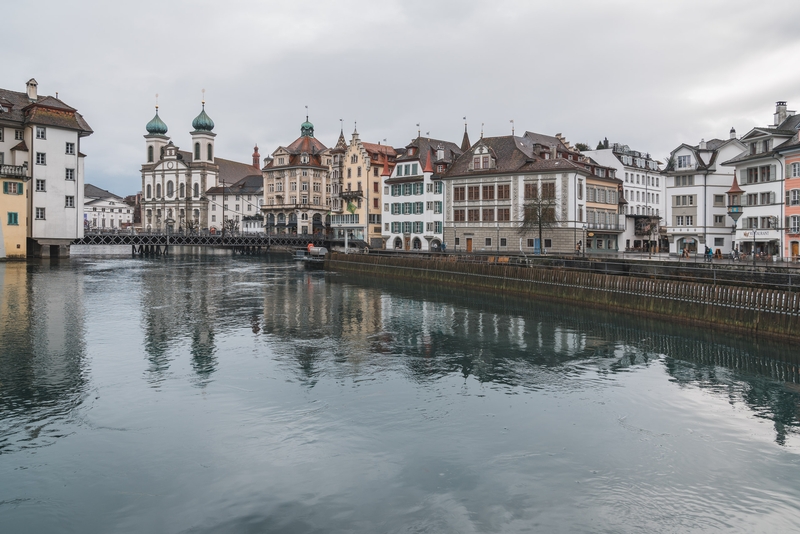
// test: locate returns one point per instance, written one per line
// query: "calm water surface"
(215, 394)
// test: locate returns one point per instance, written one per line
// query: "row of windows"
(170, 190)
(684, 220)
(640, 196)
(645, 179)
(683, 200)
(396, 227)
(484, 214)
(601, 217)
(407, 189)
(530, 243)
(601, 195)
(406, 170)
(408, 227)
(490, 192)
(640, 210)
(416, 208)
(681, 181)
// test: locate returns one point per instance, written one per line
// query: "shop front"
(761, 242)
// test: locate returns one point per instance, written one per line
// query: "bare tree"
(231, 225)
(539, 209)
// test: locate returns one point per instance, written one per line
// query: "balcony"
(613, 227)
(14, 171)
(352, 195)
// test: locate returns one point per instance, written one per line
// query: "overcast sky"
(648, 74)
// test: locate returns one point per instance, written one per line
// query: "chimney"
(605, 142)
(780, 112)
(31, 85)
(702, 145)
(553, 152)
(733, 133)
(256, 157)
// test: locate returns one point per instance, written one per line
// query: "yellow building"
(363, 166)
(13, 211)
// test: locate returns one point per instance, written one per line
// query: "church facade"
(176, 183)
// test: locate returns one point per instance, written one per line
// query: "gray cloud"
(649, 74)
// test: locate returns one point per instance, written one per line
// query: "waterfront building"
(413, 195)
(240, 203)
(297, 186)
(361, 192)
(105, 210)
(790, 152)
(761, 174)
(13, 211)
(175, 182)
(43, 135)
(643, 193)
(490, 185)
(697, 179)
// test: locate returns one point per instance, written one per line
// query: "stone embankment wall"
(772, 312)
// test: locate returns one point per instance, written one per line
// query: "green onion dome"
(307, 129)
(203, 123)
(156, 126)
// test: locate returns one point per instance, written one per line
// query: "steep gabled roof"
(44, 111)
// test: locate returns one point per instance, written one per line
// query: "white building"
(697, 181)
(103, 210)
(413, 195)
(47, 137)
(175, 183)
(761, 174)
(643, 189)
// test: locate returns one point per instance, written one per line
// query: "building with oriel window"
(175, 183)
(297, 186)
(40, 140)
(498, 191)
(413, 195)
(643, 193)
(360, 192)
(697, 180)
(762, 177)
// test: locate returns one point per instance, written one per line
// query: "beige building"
(362, 168)
(297, 186)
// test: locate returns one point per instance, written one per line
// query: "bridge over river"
(159, 243)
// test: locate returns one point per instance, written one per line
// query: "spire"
(465, 144)
(428, 166)
(256, 157)
(735, 189)
(386, 171)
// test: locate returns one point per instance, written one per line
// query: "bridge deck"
(195, 240)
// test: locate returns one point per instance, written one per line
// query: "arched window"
(149, 192)
(170, 189)
(182, 189)
(150, 154)
(197, 151)
(158, 190)
(196, 190)
(210, 152)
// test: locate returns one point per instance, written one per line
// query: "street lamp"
(583, 248)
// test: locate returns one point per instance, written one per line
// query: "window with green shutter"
(13, 219)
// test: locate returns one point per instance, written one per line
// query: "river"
(209, 393)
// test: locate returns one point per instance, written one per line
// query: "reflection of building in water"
(308, 308)
(57, 321)
(180, 306)
(42, 366)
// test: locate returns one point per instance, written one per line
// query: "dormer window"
(280, 160)
(440, 154)
(304, 158)
(411, 151)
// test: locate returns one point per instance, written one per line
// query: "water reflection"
(42, 368)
